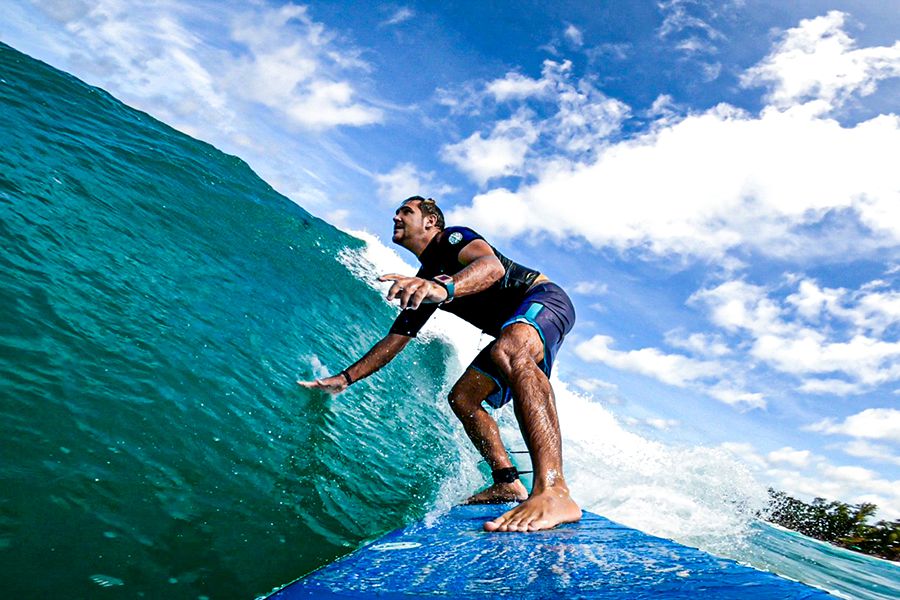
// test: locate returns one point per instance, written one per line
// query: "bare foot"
(544, 510)
(500, 493)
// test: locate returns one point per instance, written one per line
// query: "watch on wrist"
(446, 282)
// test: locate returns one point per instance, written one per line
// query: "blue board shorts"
(548, 309)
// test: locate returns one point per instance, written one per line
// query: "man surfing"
(527, 314)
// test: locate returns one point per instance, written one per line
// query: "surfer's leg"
(466, 401)
(517, 353)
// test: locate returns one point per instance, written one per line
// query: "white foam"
(698, 496)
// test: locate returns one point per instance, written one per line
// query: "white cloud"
(872, 423)
(194, 65)
(293, 66)
(500, 154)
(147, 56)
(401, 15)
(707, 376)
(834, 387)
(406, 180)
(605, 52)
(580, 118)
(662, 424)
(515, 86)
(586, 116)
(786, 183)
(674, 369)
(817, 60)
(703, 344)
(726, 392)
(868, 450)
(678, 18)
(688, 24)
(652, 422)
(329, 104)
(790, 456)
(338, 217)
(829, 340)
(574, 35)
(590, 288)
(813, 334)
(854, 474)
(722, 180)
(592, 385)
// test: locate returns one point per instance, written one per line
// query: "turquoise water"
(841, 572)
(157, 303)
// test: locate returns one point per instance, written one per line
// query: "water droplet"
(106, 580)
(396, 546)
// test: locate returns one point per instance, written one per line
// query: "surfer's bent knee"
(510, 357)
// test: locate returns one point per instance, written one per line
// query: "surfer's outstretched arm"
(378, 356)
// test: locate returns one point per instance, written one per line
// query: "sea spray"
(698, 496)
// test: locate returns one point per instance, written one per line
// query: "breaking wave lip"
(699, 496)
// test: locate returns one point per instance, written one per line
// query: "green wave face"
(158, 303)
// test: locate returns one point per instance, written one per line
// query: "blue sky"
(715, 183)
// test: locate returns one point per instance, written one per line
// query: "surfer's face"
(409, 222)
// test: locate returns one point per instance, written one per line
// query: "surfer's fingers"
(315, 384)
(419, 295)
(390, 277)
(395, 289)
(410, 288)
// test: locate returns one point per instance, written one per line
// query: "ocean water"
(158, 302)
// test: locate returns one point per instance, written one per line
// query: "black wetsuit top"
(488, 309)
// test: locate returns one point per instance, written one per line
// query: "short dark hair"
(428, 206)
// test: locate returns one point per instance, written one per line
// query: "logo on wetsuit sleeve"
(455, 237)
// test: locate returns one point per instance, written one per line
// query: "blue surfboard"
(450, 557)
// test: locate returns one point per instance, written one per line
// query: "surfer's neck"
(418, 245)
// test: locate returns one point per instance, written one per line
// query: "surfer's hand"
(413, 291)
(333, 385)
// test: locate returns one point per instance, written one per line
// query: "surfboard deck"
(451, 557)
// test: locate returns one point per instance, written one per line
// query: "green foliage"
(837, 523)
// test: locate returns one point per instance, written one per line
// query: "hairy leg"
(517, 353)
(466, 401)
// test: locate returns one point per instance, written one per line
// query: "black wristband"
(507, 475)
(347, 377)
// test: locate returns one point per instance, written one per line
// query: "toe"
(495, 525)
(517, 525)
